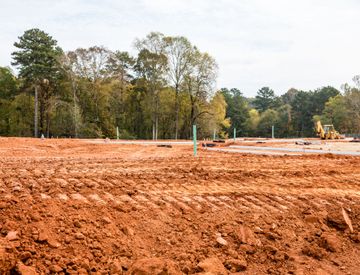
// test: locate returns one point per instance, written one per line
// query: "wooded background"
(159, 93)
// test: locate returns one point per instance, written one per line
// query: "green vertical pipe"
(234, 134)
(194, 138)
(117, 133)
(273, 131)
(214, 136)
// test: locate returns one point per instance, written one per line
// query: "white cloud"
(304, 44)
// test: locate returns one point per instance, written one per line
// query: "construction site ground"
(101, 207)
(315, 143)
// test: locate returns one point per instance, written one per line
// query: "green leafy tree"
(265, 99)
(352, 101)
(302, 114)
(237, 109)
(8, 91)
(252, 122)
(214, 118)
(336, 112)
(20, 117)
(284, 127)
(38, 60)
(268, 119)
(321, 96)
(166, 116)
(8, 83)
(306, 105)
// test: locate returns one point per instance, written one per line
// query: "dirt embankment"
(69, 207)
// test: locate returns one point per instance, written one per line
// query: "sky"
(282, 44)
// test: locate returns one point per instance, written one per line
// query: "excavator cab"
(330, 131)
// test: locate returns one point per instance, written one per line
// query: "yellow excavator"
(327, 132)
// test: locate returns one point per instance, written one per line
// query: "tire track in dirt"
(147, 201)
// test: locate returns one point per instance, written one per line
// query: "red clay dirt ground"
(72, 207)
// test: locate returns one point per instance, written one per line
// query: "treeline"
(294, 113)
(159, 93)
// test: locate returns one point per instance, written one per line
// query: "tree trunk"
(36, 130)
(46, 113)
(192, 113)
(153, 115)
(156, 117)
(176, 111)
(156, 127)
(75, 109)
(153, 130)
(47, 124)
(42, 115)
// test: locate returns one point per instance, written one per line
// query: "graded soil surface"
(79, 207)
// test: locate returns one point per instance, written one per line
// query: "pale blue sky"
(279, 43)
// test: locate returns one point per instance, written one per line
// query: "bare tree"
(199, 83)
(179, 53)
(151, 66)
(92, 65)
